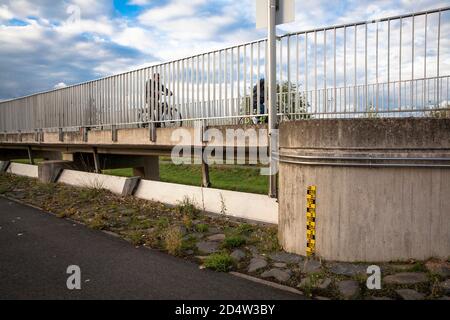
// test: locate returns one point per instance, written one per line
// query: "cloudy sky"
(47, 43)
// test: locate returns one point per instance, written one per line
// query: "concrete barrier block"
(231, 203)
(4, 165)
(130, 186)
(93, 180)
(49, 171)
(26, 170)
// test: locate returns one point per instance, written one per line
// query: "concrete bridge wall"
(383, 188)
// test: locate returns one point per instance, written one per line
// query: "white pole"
(271, 38)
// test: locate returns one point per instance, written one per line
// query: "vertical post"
(30, 155)
(97, 168)
(272, 93)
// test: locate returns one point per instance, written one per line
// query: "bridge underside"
(138, 148)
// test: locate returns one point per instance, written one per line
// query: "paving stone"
(441, 268)
(253, 250)
(321, 298)
(325, 284)
(348, 288)
(446, 286)
(348, 269)
(279, 265)
(402, 267)
(189, 252)
(217, 237)
(406, 278)
(310, 266)
(195, 235)
(280, 275)
(238, 255)
(213, 230)
(286, 257)
(409, 294)
(305, 282)
(379, 298)
(257, 264)
(207, 247)
(127, 212)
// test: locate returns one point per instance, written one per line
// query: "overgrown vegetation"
(233, 241)
(219, 262)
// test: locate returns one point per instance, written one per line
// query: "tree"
(291, 103)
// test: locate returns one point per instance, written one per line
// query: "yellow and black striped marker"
(311, 221)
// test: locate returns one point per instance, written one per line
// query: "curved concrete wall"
(383, 188)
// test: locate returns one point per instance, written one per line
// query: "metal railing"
(395, 66)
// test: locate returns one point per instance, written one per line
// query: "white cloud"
(5, 13)
(139, 2)
(173, 10)
(60, 85)
(102, 43)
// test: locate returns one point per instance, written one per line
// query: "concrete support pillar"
(149, 170)
(49, 171)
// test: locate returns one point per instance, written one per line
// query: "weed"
(162, 223)
(3, 189)
(221, 262)
(187, 221)
(173, 240)
(223, 207)
(245, 229)
(187, 207)
(201, 227)
(98, 222)
(233, 241)
(136, 237)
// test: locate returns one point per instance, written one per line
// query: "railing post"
(152, 132)
(272, 106)
(113, 133)
(61, 135)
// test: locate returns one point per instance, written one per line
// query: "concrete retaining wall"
(26, 170)
(383, 188)
(237, 204)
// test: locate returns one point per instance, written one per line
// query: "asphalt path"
(36, 249)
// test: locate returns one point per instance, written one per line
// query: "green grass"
(221, 262)
(234, 241)
(227, 177)
(236, 178)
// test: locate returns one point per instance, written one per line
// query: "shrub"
(221, 262)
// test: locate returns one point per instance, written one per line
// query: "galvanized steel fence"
(396, 66)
